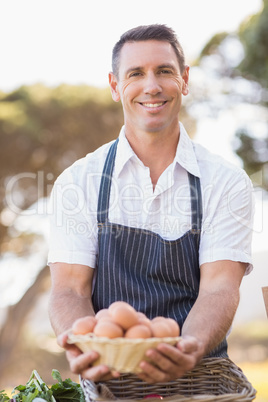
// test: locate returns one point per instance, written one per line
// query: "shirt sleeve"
(73, 225)
(228, 223)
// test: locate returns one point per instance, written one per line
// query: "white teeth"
(153, 104)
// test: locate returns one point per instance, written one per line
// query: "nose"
(152, 85)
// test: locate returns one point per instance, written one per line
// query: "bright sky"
(56, 41)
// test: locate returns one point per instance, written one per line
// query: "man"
(152, 219)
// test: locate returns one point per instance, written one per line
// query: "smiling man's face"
(150, 86)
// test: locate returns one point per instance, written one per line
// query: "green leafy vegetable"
(3, 397)
(67, 390)
(34, 388)
(62, 391)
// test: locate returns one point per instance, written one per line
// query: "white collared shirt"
(227, 198)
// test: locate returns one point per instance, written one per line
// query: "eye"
(165, 71)
(134, 74)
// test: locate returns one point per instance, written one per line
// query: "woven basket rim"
(198, 378)
(90, 337)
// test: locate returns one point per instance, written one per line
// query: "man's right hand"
(81, 363)
(71, 285)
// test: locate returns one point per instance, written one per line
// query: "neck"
(155, 149)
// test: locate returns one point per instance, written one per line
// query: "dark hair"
(148, 32)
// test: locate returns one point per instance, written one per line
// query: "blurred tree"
(254, 37)
(213, 44)
(254, 151)
(42, 131)
(253, 34)
(252, 66)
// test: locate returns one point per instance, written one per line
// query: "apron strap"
(196, 203)
(105, 185)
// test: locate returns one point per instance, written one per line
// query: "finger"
(72, 354)
(170, 361)
(81, 362)
(172, 353)
(151, 373)
(188, 345)
(101, 373)
(159, 359)
(62, 340)
(144, 377)
(98, 373)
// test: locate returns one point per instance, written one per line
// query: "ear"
(185, 77)
(114, 87)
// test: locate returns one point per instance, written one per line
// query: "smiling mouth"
(153, 105)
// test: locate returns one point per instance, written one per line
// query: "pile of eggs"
(122, 320)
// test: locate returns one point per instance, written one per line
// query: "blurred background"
(55, 107)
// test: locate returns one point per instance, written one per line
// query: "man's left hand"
(167, 363)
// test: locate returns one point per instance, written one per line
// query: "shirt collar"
(124, 153)
(185, 154)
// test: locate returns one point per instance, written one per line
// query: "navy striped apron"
(154, 275)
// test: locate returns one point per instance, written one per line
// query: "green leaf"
(19, 388)
(56, 375)
(30, 396)
(3, 396)
(67, 390)
(62, 391)
(35, 387)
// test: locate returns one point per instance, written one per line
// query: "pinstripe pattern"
(105, 184)
(156, 276)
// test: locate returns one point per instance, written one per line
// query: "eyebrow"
(171, 66)
(133, 69)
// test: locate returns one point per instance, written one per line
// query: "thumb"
(62, 340)
(71, 348)
(188, 344)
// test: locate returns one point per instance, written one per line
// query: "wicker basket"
(120, 354)
(214, 379)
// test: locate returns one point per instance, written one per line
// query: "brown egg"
(144, 321)
(108, 329)
(102, 313)
(117, 303)
(105, 318)
(158, 318)
(84, 325)
(161, 328)
(141, 315)
(138, 331)
(123, 314)
(174, 326)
